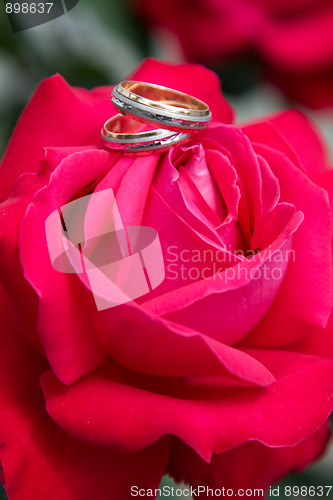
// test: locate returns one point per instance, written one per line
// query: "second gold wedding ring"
(159, 105)
(123, 135)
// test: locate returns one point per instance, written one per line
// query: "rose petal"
(11, 272)
(57, 115)
(192, 79)
(233, 143)
(209, 416)
(169, 185)
(260, 465)
(142, 168)
(293, 133)
(318, 343)
(39, 460)
(270, 187)
(151, 345)
(225, 306)
(326, 181)
(178, 240)
(304, 305)
(69, 340)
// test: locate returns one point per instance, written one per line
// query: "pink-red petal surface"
(41, 461)
(208, 414)
(250, 466)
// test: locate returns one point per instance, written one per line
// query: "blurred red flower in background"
(292, 38)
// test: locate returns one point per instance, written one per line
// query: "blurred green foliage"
(97, 43)
(2, 493)
(319, 474)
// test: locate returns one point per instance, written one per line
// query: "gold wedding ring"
(177, 115)
(122, 134)
(165, 107)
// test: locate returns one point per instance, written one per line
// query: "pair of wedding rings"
(176, 114)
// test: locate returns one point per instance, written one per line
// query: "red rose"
(221, 368)
(292, 38)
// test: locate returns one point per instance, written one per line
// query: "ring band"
(166, 107)
(120, 134)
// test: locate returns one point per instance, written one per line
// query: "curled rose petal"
(67, 337)
(192, 409)
(260, 466)
(176, 351)
(71, 125)
(310, 306)
(282, 132)
(192, 79)
(39, 460)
